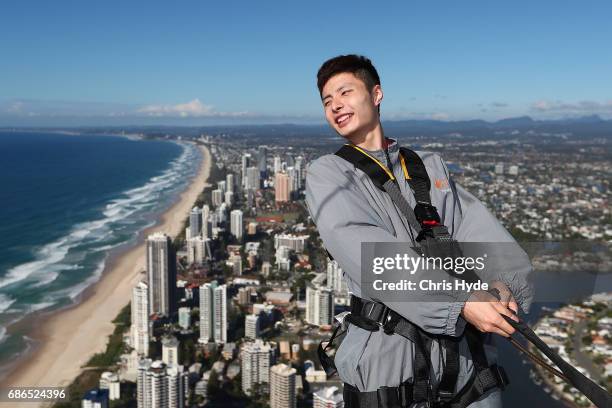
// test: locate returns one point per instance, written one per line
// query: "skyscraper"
(299, 164)
(213, 313)
(262, 160)
(246, 162)
(252, 324)
(282, 386)
(184, 317)
(217, 197)
(236, 227)
(205, 221)
(335, 280)
(319, 306)
(229, 198)
(277, 164)
(293, 174)
(140, 319)
(256, 358)
(198, 250)
(253, 178)
(160, 386)
(161, 275)
(195, 222)
(170, 352)
(230, 183)
(281, 187)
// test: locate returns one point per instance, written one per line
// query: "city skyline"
(209, 64)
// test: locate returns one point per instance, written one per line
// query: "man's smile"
(343, 119)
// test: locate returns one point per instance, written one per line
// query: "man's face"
(350, 109)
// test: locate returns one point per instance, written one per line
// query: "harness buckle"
(444, 397)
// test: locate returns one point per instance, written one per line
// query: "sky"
(108, 62)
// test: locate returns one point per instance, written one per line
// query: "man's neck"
(373, 140)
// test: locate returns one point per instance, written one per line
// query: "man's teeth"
(343, 118)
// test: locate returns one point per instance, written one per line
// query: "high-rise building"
(282, 386)
(195, 222)
(229, 198)
(230, 182)
(110, 381)
(328, 397)
(319, 306)
(293, 242)
(282, 187)
(256, 359)
(335, 280)
(250, 197)
(160, 386)
(252, 325)
(213, 313)
(246, 162)
(178, 386)
(205, 221)
(513, 171)
(499, 168)
(184, 319)
(95, 398)
(293, 174)
(236, 227)
(161, 275)
(170, 351)
(221, 213)
(253, 178)
(262, 161)
(198, 250)
(217, 197)
(151, 384)
(299, 167)
(221, 186)
(277, 164)
(139, 329)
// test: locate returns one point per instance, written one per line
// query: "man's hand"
(484, 311)
(506, 297)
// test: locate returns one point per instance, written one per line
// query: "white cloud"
(15, 107)
(581, 107)
(440, 116)
(194, 108)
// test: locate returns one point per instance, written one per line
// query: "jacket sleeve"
(345, 219)
(508, 261)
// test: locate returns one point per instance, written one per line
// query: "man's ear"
(377, 94)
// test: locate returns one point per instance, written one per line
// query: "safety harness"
(434, 240)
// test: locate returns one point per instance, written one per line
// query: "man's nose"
(336, 105)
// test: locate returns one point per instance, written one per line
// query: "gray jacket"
(348, 209)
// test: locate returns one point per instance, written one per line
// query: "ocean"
(66, 203)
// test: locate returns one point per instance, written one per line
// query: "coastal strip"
(66, 339)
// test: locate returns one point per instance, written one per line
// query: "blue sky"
(195, 62)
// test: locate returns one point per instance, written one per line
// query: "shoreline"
(65, 339)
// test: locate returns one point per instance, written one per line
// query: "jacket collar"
(393, 149)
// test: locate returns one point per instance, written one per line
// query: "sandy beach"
(68, 338)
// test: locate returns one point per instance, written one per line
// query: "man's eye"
(345, 92)
(326, 103)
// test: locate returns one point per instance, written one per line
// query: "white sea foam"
(5, 302)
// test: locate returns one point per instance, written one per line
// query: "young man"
(348, 209)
